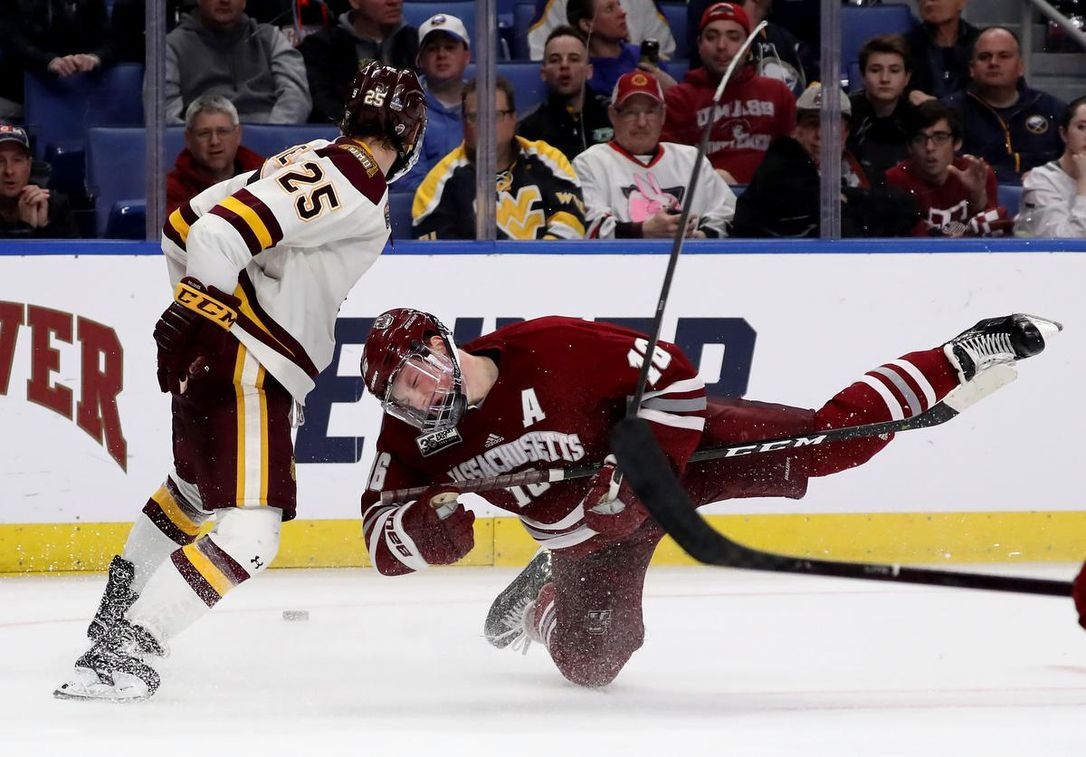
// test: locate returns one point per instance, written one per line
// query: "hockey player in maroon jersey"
(544, 394)
(956, 194)
(260, 264)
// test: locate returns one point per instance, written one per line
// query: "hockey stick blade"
(649, 472)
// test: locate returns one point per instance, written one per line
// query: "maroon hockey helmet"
(387, 102)
(414, 383)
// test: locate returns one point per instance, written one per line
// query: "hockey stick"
(953, 403)
(649, 472)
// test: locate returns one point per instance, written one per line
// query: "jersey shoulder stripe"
(359, 168)
(256, 321)
(178, 223)
(240, 210)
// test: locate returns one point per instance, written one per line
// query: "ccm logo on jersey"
(438, 440)
(750, 449)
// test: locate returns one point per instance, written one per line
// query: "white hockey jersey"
(289, 240)
(622, 188)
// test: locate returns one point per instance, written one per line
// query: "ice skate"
(998, 341)
(114, 669)
(505, 620)
(116, 599)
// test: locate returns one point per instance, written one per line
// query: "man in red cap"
(752, 110)
(634, 185)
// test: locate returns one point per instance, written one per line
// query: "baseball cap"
(725, 12)
(636, 82)
(811, 99)
(443, 22)
(11, 133)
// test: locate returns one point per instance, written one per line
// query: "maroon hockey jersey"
(562, 385)
(752, 111)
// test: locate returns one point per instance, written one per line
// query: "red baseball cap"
(725, 12)
(636, 82)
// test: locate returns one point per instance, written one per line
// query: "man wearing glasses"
(956, 196)
(213, 151)
(634, 184)
(539, 195)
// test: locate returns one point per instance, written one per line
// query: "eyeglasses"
(471, 118)
(222, 132)
(631, 114)
(938, 138)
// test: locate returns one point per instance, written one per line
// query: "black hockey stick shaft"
(649, 472)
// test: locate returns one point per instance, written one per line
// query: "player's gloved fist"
(611, 509)
(1078, 591)
(440, 526)
(189, 329)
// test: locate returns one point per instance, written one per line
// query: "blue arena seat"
(527, 83)
(399, 213)
(675, 13)
(860, 23)
(57, 110)
(523, 15)
(1010, 196)
(127, 220)
(271, 139)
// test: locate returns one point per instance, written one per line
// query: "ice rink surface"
(733, 664)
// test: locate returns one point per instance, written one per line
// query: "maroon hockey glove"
(440, 526)
(1078, 591)
(190, 329)
(609, 510)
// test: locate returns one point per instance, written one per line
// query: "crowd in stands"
(938, 119)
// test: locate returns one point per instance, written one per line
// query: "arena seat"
(525, 77)
(675, 13)
(59, 110)
(1010, 196)
(860, 23)
(127, 220)
(523, 16)
(399, 213)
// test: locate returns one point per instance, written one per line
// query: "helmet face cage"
(425, 391)
(402, 335)
(388, 102)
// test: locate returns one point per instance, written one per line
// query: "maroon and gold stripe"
(251, 218)
(173, 516)
(357, 170)
(256, 321)
(208, 570)
(177, 225)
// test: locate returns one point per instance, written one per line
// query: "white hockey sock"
(147, 547)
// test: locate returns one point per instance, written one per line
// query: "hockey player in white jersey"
(260, 264)
(634, 185)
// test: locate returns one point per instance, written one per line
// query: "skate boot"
(505, 620)
(114, 669)
(997, 341)
(116, 599)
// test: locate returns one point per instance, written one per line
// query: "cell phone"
(650, 52)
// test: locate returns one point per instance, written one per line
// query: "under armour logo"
(257, 563)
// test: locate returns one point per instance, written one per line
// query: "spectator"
(539, 196)
(213, 150)
(776, 52)
(956, 194)
(28, 211)
(1011, 126)
(783, 199)
(881, 113)
(1054, 195)
(753, 109)
(371, 30)
(634, 186)
(574, 116)
(940, 47)
(444, 53)
(49, 37)
(644, 19)
(603, 22)
(218, 50)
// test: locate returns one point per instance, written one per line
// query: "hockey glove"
(440, 526)
(1078, 591)
(610, 509)
(190, 330)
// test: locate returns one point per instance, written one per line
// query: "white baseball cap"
(443, 22)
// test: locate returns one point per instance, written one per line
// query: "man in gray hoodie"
(218, 50)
